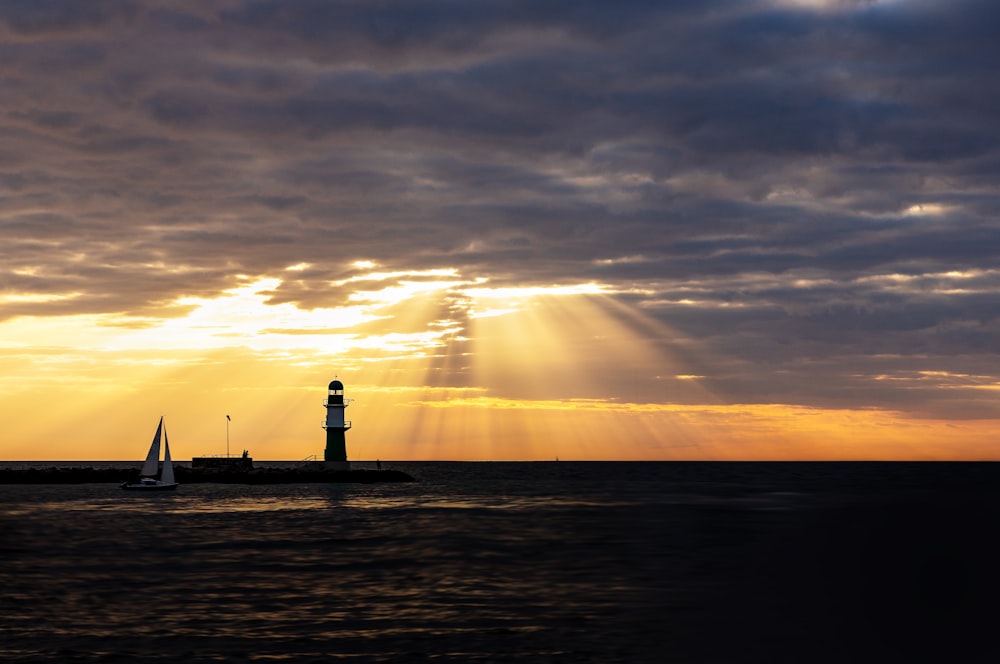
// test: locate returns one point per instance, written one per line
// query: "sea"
(556, 561)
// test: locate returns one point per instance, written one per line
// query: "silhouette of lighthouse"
(335, 454)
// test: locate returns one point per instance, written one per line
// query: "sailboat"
(148, 481)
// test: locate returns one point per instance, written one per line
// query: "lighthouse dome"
(336, 385)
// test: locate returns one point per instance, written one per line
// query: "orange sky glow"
(439, 367)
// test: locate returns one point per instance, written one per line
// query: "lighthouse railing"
(347, 425)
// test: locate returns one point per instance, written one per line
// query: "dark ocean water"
(502, 562)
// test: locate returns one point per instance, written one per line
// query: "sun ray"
(441, 367)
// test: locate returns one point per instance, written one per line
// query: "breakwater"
(85, 475)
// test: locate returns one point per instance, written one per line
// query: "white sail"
(149, 467)
(168, 467)
(152, 463)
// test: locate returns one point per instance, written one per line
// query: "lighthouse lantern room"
(335, 455)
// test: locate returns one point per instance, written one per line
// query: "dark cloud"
(59, 17)
(764, 163)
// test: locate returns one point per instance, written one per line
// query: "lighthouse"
(335, 455)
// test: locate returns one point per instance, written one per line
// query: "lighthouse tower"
(335, 455)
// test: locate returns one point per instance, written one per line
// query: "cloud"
(746, 172)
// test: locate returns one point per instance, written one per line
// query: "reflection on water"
(476, 562)
(308, 573)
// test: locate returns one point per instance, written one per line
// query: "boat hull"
(148, 487)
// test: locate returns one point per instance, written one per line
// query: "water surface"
(560, 562)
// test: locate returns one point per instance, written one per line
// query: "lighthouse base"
(335, 465)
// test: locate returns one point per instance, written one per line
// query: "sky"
(747, 229)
